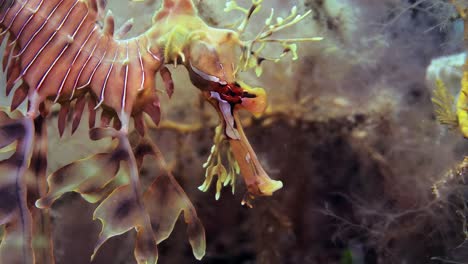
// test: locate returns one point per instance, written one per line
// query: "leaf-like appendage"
(87, 176)
(42, 230)
(444, 106)
(164, 202)
(152, 214)
(121, 178)
(119, 213)
(10, 132)
(16, 244)
(25, 229)
(253, 50)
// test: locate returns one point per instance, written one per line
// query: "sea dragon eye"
(228, 96)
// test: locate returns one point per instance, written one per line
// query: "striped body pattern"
(67, 52)
(46, 35)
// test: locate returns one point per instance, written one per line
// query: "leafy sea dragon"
(51, 58)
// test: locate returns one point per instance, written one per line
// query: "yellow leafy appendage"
(444, 106)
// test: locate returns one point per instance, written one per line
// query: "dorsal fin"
(175, 7)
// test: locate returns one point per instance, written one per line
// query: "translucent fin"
(165, 200)
(164, 203)
(119, 213)
(86, 176)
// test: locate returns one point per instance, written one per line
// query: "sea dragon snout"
(213, 58)
(228, 100)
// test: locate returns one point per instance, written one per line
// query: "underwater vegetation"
(359, 132)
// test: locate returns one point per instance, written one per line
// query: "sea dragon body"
(61, 52)
(57, 52)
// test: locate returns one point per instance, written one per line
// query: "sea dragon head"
(211, 62)
(213, 58)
